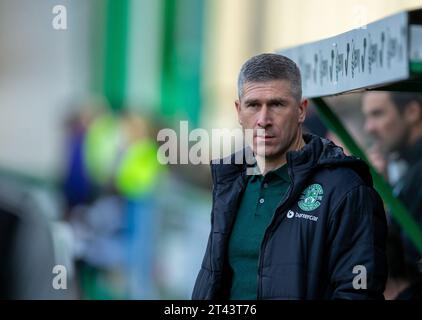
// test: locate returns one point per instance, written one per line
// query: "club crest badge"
(311, 197)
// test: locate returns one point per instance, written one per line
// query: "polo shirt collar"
(280, 172)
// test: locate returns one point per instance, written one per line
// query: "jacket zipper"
(265, 239)
(212, 220)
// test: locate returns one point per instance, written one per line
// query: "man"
(394, 119)
(309, 225)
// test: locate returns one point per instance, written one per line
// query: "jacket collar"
(317, 152)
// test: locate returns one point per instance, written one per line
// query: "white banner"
(360, 58)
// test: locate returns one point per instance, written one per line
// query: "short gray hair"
(268, 67)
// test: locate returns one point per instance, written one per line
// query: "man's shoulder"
(344, 174)
(344, 186)
(340, 180)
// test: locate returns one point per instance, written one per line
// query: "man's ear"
(237, 105)
(303, 107)
(413, 113)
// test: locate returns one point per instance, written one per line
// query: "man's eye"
(377, 114)
(253, 105)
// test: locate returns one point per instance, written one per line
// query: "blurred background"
(80, 109)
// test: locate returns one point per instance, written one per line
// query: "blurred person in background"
(77, 186)
(394, 120)
(113, 167)
(308, 215)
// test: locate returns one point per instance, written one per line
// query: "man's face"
(383, 121)
(272, 107)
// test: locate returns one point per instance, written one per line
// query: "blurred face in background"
(271, 106)
(384, 122)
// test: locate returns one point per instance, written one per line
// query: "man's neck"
(266, 164)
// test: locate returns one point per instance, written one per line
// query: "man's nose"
(264, 117)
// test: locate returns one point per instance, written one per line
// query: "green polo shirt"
(257, 206)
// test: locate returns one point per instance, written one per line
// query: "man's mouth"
(266, 137)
